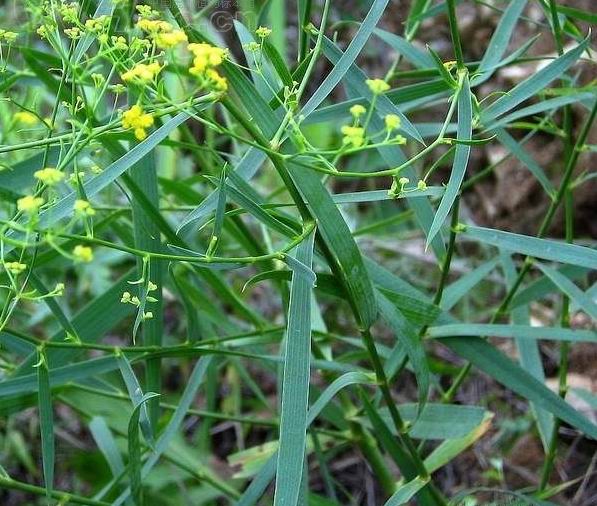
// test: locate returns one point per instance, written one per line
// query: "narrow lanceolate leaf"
(339, 240)
(412, 53)
(266, 474)
(348, 58)
(188, 396)
(497, 365)
(465, 130)
(529, 162)
(499, 41)
(134, 445)
(517, 331)
(534, 84)
(546, 249)
(107, 444)
(295, 384)
(580, 298)
(529, 353)
(64, 207)
(446, 451)
(407, 491)
(46, 421)
(136, 394)
(459, 289)
(413, 345)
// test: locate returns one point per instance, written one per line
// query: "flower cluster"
(142, 73)
(83, 254)
(137, 120)
(8, 36)
(206, 58)
(49, 176)
(29, 204)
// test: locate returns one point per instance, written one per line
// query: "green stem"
(64, 497)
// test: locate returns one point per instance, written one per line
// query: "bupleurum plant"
(236, 258)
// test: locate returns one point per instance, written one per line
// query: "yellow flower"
(220, 83)
(137, 120)
(83, 253)
(15, 267)
(142, 73)
(9, 37)
(206, 56)
(421, 185)
(73, 33)
(83, 208)
(29, 204)
(357, 111)
(392, 122)
(154, 26)
(119, 43)
(377, 86)
(263, 32)
(96, 25)
(170, 39)
(49, 176)
(26, 118)
(353, 135)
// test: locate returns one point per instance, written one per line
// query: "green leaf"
(539, 248)
(461, 157)
(499, 41)
(64, 206)
(136, 394)
(517, 331)
(295, 383)
(188, 396)
(259, 484)
(347, 59)
(337, 236)
(134, 446)
(459, 289)
(580, 298)
(46, 421)
(413, 345)
(534, 84)
(404, 48)
(446, 451)
(107, 444)
(530, 355)
(519, 152)
(407, 491)
(505, 371)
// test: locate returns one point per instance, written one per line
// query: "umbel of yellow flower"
(377, 86)
(168, 40)
(139, 121)
(29, 204)
(83, 208)
(142, 73)
(357, 111)
(392, 122)
(353, 135)
(49, 176)
(205, 60)
(15, 267)
(26, 118)
(83, 253)
(263, 32)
